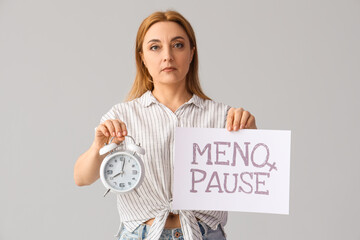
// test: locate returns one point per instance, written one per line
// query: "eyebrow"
(173, 39)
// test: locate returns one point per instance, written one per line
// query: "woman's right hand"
(108, 129)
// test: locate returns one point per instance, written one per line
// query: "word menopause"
(238, 158)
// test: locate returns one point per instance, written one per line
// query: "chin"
(170, 80)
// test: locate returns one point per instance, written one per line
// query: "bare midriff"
(172, 221)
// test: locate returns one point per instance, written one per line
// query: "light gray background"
(293, 64)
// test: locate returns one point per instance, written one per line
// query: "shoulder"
(125, 105)
(212, 104)
(135, 103)
(120, 110)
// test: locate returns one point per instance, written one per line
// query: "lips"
(168, 69)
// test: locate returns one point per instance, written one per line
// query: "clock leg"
(107, 191)
(137, 193)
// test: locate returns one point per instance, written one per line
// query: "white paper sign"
(246, 170)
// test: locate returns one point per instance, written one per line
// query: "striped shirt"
(152, 124)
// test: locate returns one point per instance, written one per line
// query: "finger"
(123, 128)
(117, 127)
(110, 127)
(244, 119)
(237, 118)
(230, 119)
(118, 140)
(103, 130)
(251, 123)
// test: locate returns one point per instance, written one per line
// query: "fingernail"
(241, 126)
(107, 134)
(229, 128)
(119, 134)
(124, 132)
(235, 128)
(113, 134)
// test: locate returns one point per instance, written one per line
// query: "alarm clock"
(122, 170)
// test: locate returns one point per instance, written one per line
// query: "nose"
(168, 55)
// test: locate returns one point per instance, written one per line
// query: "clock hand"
(116, 175)
(121, 172)
(122, 169)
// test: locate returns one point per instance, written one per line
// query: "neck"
(171, 96)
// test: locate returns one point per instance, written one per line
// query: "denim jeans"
(173, 234)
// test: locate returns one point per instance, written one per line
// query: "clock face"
(122, 172)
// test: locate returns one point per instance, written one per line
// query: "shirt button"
(177, 234)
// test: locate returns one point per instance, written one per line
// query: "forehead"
(164, 31)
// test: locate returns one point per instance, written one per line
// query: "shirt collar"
(148, 98)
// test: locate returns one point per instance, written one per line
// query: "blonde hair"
(143, 80)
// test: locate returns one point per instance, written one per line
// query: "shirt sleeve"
(227, 108)
(113, 113)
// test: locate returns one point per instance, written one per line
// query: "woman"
(166, 94)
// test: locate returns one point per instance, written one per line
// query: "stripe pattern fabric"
(152, 125)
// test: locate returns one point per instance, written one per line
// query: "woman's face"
(166, 53)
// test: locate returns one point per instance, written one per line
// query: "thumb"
(118, 140)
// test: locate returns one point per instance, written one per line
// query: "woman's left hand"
(238, 118)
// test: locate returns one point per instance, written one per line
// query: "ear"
(142, 58)
(192, 54)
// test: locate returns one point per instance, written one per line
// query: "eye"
(154, 48)
(178, 45)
